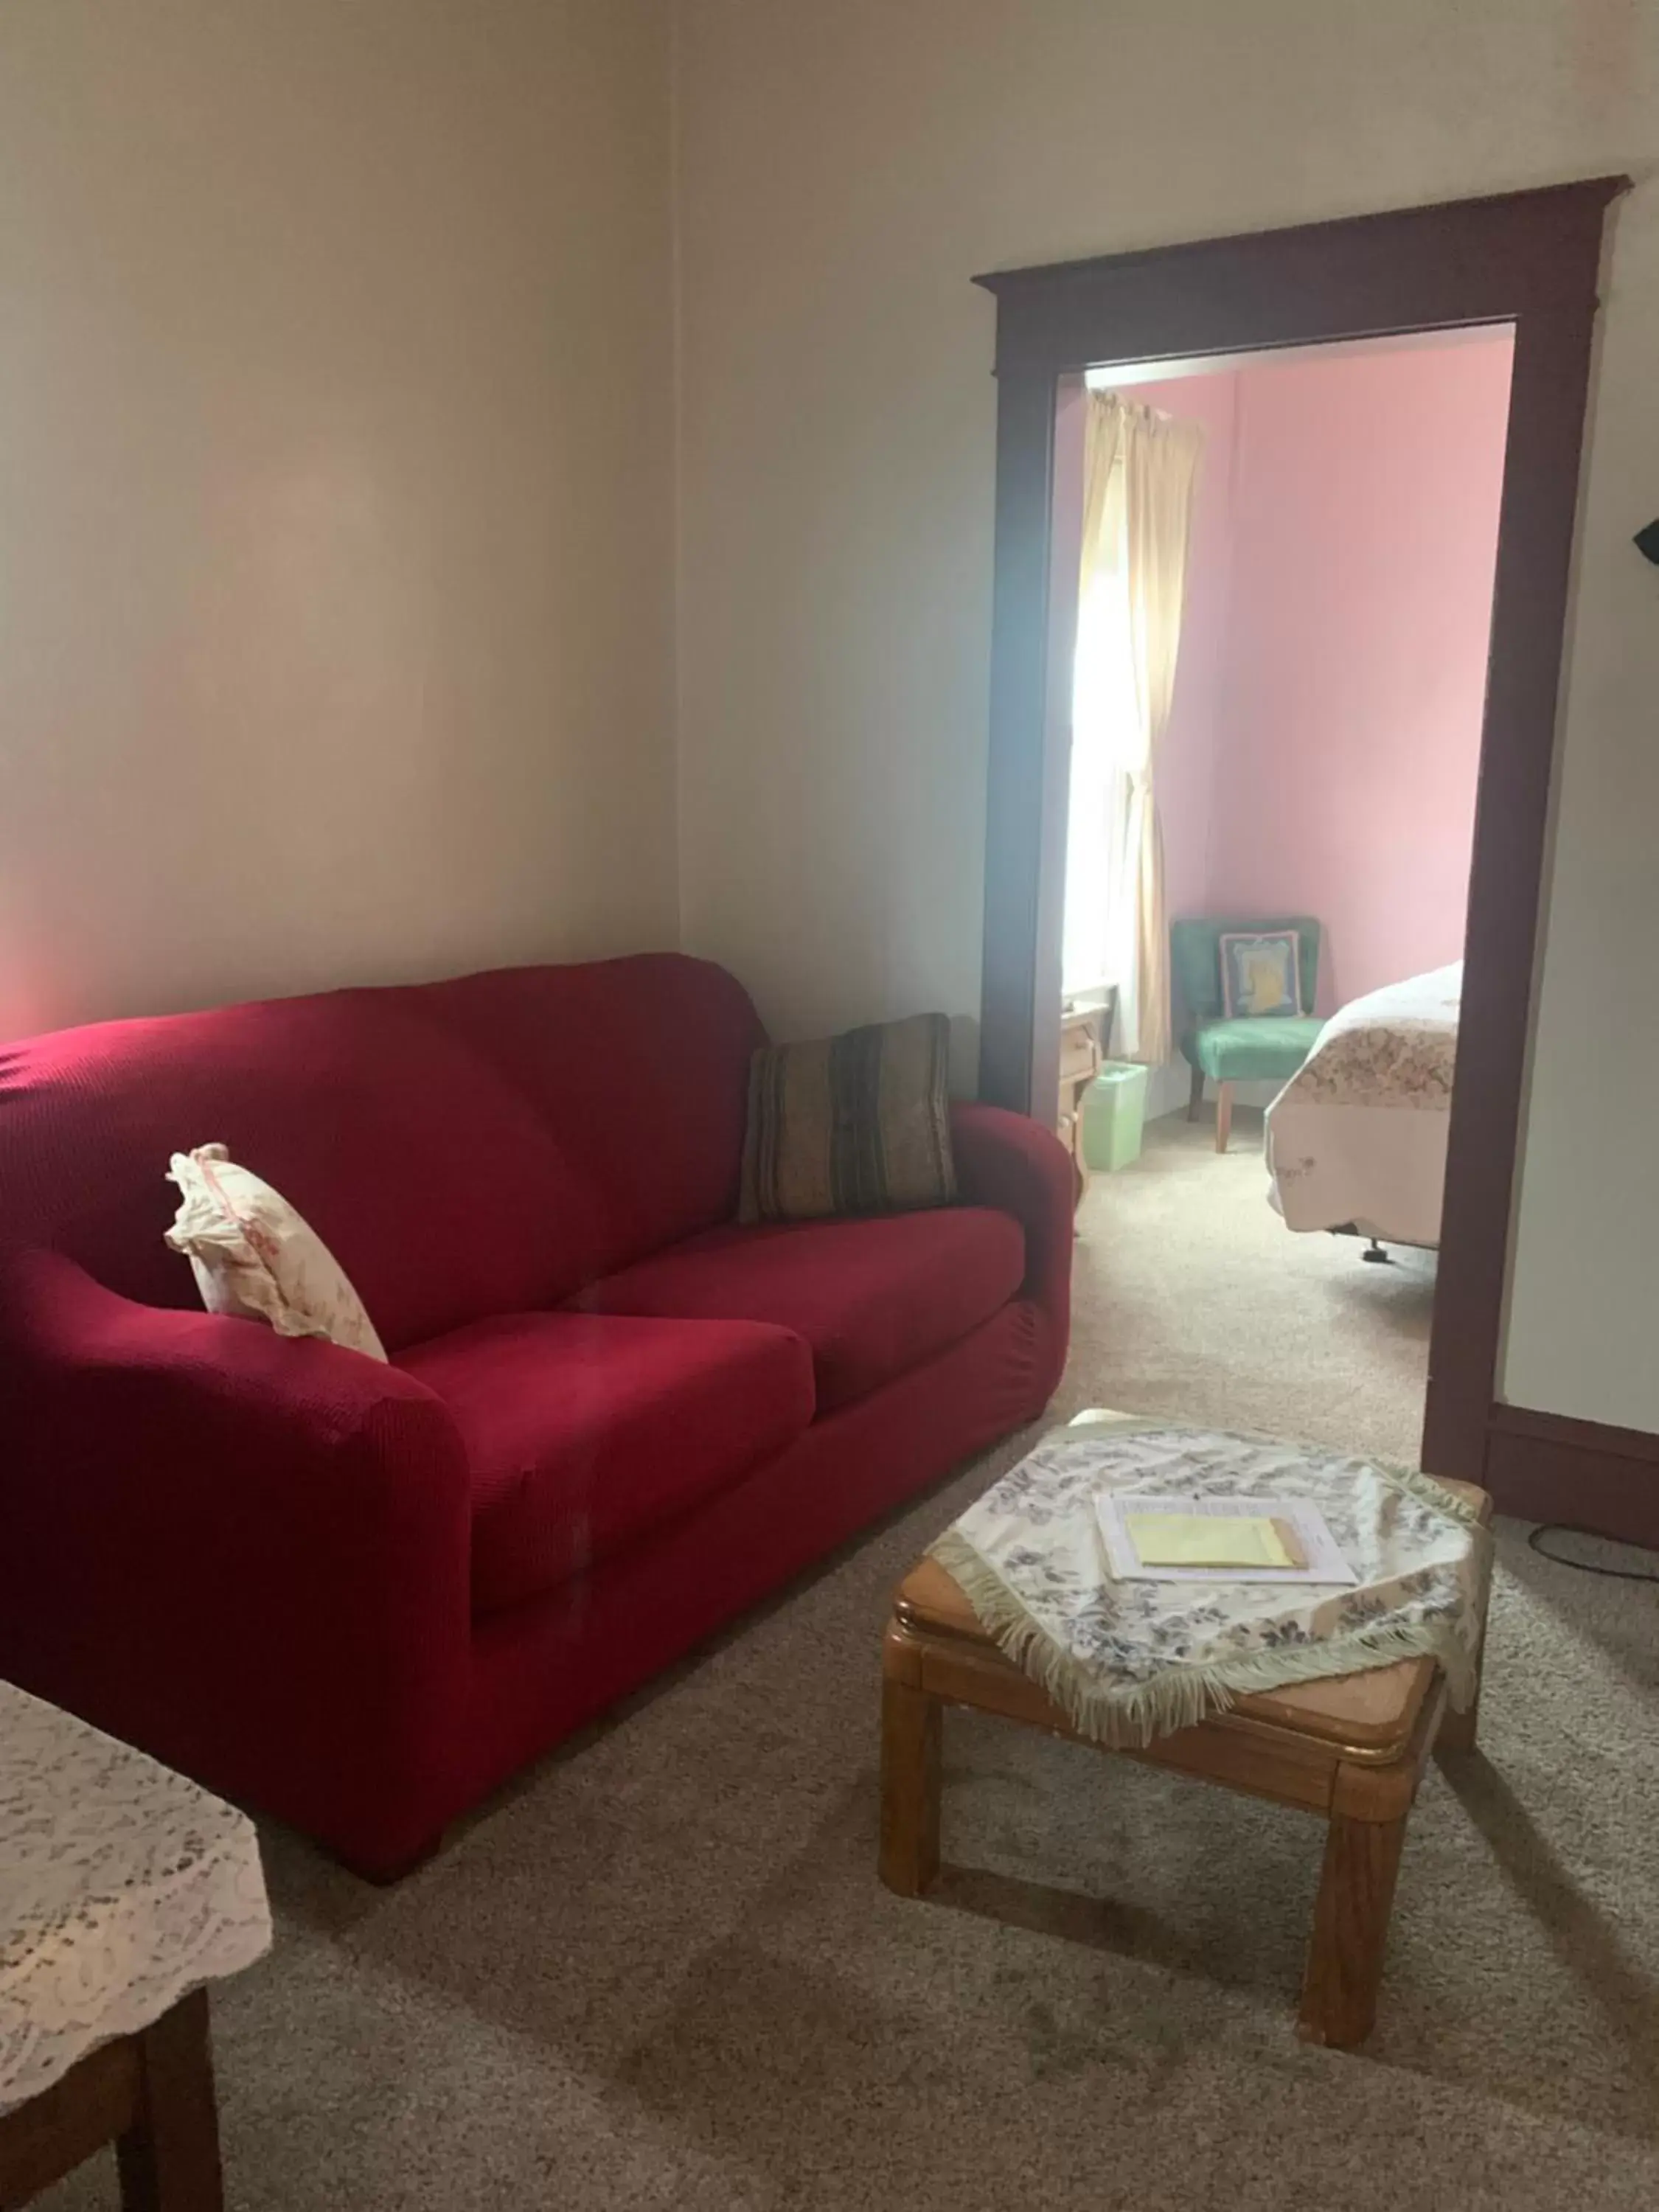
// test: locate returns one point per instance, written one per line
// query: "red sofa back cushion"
(481, 1146)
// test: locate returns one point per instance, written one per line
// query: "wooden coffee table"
(1351, 1749)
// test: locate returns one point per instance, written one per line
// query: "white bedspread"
(1360, 1134)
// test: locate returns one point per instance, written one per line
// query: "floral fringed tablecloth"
(1129, 1660)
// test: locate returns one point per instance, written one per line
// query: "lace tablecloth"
(122, 1886)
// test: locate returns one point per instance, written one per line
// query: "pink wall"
(1322, 750)
(1365, 532)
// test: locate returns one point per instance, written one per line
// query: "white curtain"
(1139, 471)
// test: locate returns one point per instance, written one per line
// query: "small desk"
(126, 1890)
(1084, 1033)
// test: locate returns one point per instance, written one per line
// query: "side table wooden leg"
(1458, 1731)
(1351, 1930)
(168, 2160)
(909, 1787)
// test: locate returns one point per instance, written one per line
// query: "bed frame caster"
(1377, 1256)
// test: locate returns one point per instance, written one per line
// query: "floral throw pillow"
(1260, 972)
(254, 1257)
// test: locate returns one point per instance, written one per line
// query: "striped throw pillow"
(853, 1124)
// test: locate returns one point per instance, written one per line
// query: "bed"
(1358, 1140)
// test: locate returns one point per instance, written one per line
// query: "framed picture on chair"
(1260, 973)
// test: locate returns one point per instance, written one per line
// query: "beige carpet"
(661, 1973)
(1192, 1298)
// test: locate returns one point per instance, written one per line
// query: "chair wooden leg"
(909, 1787)
(1351, 1930)
(1223, 1114)
(168, 2160)
(1195, 1094)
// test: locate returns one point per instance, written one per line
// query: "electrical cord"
(1586, 1566)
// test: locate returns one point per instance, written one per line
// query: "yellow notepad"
(1198, 1540)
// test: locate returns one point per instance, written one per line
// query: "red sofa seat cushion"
(872, 1297)
(582, 1432)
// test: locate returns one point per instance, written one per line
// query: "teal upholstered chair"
(1252, 1049)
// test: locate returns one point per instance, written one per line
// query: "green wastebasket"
(1114, 1113)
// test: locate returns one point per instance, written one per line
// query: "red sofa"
(359, 1597)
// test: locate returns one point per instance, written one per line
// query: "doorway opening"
(1285, 563)
(1528, 262)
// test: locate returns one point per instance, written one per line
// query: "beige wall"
(335, 492)
(842, 172)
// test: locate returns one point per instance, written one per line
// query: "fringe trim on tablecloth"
(1128, 1716)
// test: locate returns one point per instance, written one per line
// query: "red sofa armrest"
(248, 1553)
(1008, 1161)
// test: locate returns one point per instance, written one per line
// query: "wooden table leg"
(909, 1785)
(1351, 1930)
(168, 2159)
(1458, 1731)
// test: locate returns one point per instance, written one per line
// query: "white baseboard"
(1169, 1087)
